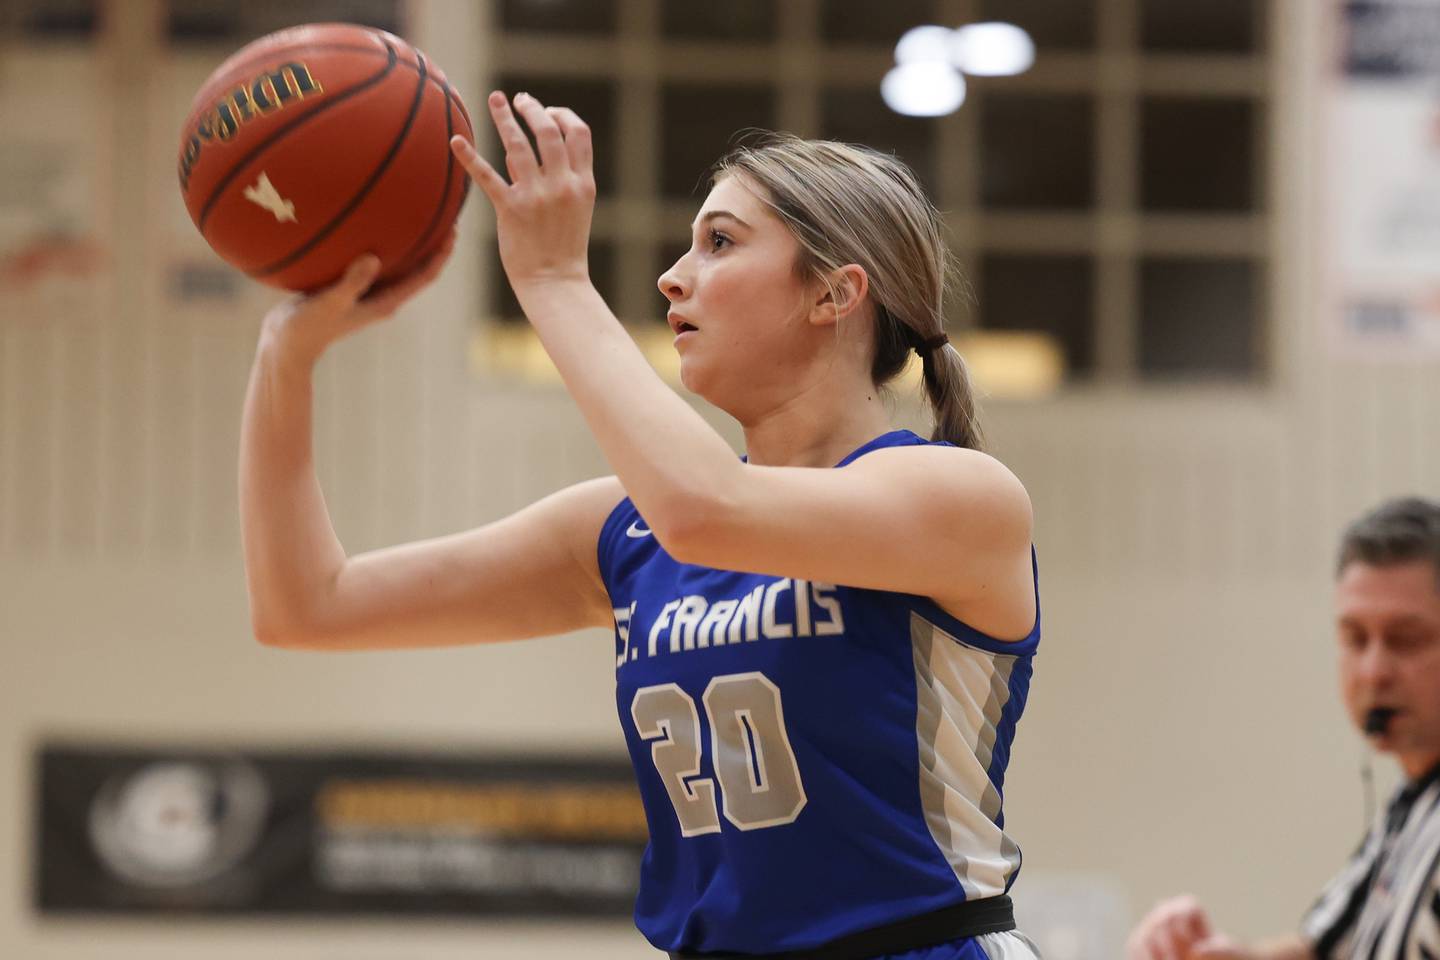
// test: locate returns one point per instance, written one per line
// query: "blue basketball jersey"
(814, 759)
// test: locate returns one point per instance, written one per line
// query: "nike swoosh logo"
(635, 531)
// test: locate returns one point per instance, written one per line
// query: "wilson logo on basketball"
(264, 194)
(267, 93)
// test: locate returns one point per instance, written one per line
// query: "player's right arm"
(1180, 929)
(531, 574)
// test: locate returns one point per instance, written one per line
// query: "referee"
(1385, 903)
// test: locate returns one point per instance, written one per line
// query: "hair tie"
(929, 345)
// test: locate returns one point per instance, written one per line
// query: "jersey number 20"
(750, 751)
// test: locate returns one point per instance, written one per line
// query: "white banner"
(1384, 189)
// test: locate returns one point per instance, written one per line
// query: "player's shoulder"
(584, 506)
(575, 515)
(604, 493)
(956, 488)
(944, 465)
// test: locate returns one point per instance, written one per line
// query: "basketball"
(318, 143)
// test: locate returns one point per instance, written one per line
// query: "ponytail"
(952, 401)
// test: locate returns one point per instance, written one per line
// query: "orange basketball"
(319, 143)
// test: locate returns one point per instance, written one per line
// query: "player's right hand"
(303, 326)
(1180, 929)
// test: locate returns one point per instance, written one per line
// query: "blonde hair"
(850, 204)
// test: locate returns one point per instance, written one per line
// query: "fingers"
(385, 302)
(562, 137)
(551, 144)
(353, 283)
(577, 138)
(484, 175)
(518, 155)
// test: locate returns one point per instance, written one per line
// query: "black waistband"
(969, 919)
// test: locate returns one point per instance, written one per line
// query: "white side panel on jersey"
(961, 692)
(1010, 945)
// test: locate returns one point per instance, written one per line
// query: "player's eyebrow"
(716, 214)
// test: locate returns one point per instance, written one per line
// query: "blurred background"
(1201, 243)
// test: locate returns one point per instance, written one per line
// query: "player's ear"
(838, 293)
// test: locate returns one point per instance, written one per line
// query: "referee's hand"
(1179, 929)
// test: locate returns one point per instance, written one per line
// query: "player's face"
(1388, 623)
(738, 305)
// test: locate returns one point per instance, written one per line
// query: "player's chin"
(691, 379)
(695, 369)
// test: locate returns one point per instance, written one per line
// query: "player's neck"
(812, 431)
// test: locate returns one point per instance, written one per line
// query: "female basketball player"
(822, 650)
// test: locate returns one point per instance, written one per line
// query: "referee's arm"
(1180, 929)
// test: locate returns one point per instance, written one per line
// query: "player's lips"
(679, 324)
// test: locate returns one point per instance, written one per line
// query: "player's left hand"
(543, 213)
(304, 326)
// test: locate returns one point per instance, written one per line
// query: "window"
(1037, 151)
(1197, 154)
(1118, 213)
(1046, 294)
(1215, 26)
(49, 20)
(871, 23)
(581, 17)
(701, 120)
(1122, 212)
(732, 20)
(224, 23)
(1198, 318)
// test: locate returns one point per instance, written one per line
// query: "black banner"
(195, 832)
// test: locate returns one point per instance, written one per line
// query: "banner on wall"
(53, 250)
(156, 831)
(1384, 191)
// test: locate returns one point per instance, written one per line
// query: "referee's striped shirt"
(1385, 904)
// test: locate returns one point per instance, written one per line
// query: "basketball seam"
(349, 208)
(429, 230)
(269, 141)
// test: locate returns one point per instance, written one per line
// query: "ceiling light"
(927, 44)
(923, 89)
(992, 49)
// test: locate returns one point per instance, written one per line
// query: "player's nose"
(674, 283)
